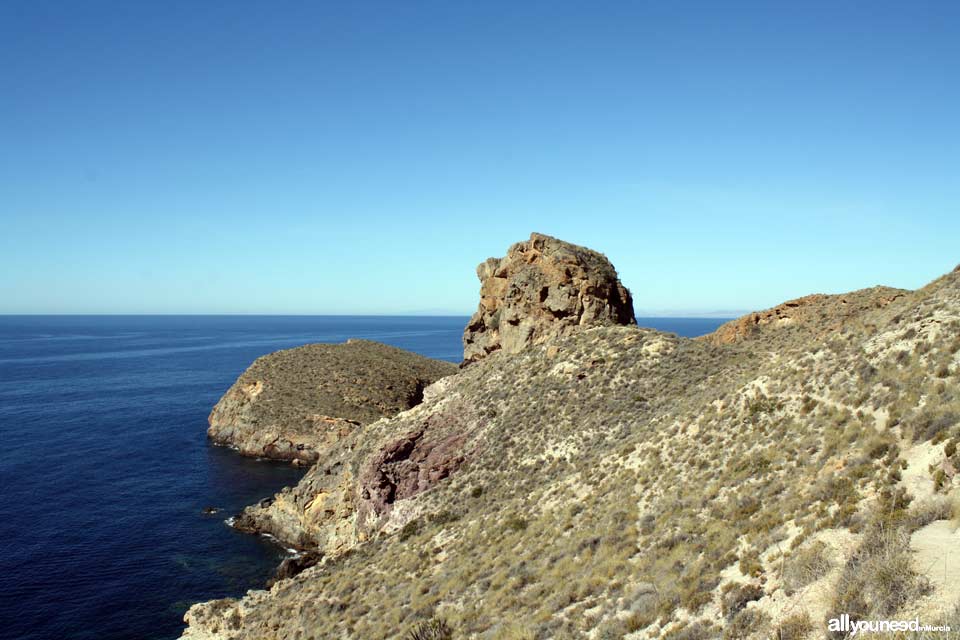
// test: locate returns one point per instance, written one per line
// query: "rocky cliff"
(618, 482)
(297, 403)
(543, 288)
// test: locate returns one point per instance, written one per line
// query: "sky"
(364, 157)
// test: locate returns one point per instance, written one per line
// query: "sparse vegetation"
(807, 564)
(795, 627)
(879, 579)
(639, 483)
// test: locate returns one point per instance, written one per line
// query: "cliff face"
(619, 482)
(297, 403)
(543, 288)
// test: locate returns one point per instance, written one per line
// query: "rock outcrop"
(818, 314)
(370, 480)
(543, 288)
(297, 403)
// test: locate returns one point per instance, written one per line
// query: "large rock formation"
(297, 403)
(542, 289)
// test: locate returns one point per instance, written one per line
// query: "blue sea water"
(105, 467)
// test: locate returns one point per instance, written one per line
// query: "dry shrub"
(432, 629)
(749, 623)
(878, 579)
(808, 564)
(736, 598)
(796, 627)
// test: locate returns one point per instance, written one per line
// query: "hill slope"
(620, 482)
(296, 403)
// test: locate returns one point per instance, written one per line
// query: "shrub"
(922, 514)
(750, 563)
(516, 523)
(950, 448)
(877, 447)
(835, 490)
(697, 630)
(735, 599)
(748, 623)
(444, 517)
(878, 579)
(432, 629)
(796, 627)
(643, 607)
(806, 565)
(410, 529)
(928, 426)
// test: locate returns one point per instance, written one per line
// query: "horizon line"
(718, 315)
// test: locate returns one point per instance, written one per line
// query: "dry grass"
(879, 578)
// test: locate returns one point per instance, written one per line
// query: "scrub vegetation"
(624, 483)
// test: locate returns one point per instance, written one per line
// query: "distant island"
(579, 476)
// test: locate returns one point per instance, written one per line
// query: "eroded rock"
(543, 288)
(293, 566)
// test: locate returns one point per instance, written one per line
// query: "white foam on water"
(293, 552)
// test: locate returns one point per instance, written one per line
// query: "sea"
(105, 469)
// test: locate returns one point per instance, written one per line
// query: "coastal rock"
(408, 466)
(298, 403)
(372, 481)
(293, 566)
(543, 288)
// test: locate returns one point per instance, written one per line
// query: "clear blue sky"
(320, 157)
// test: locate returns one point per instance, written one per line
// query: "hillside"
(618, 482)
(295, 404)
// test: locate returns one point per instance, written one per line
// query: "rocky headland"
(586, 478)
(297, 403)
